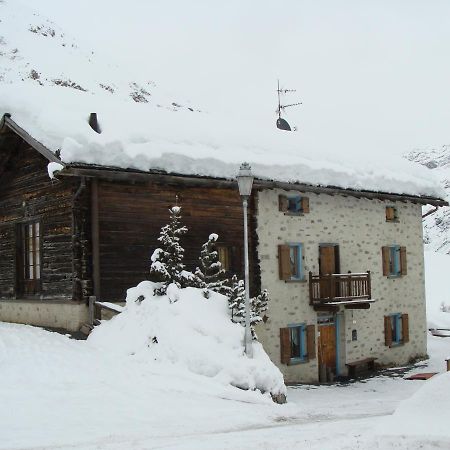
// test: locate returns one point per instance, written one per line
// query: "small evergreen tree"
(167, 261)
(209, 275)
(258, 305)
(236, 300)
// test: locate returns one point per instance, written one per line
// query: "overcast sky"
(372, 75)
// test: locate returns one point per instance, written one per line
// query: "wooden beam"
(95, 231)
(330, 308)
(114, 173)
(358, 306)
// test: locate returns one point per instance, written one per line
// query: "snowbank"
(193, 334)
(425, 413)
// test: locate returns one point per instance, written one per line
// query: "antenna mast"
(282, 124)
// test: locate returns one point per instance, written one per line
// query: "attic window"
(93, 123)
(391, 214)
(293, 204)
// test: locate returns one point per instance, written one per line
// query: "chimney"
(93, 123)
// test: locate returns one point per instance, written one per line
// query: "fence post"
(92, 300)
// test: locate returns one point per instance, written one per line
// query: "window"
(290, 260)
(391, 214)
(297, 343)
(293, 204)
(31, 251)
(224, 256)
(29, 258)
(394, 261)
(396, 329)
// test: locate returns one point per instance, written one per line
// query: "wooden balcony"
(339, 288)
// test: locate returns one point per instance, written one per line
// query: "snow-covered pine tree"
(167, 261)
(236, 300)
(210, 274)
(258, 305)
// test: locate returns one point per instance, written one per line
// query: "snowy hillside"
(36, 52)
(50, 84)
(436, 227)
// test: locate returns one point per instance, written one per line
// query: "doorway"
(327, 348)
(329, 259)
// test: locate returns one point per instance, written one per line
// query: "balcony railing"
(339, 287)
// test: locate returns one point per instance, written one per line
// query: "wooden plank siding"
(131, 215)
(130, 219)
(27, 193)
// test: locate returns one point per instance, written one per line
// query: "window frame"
(298, 204)
(224, 250)
(301, 330)
(298, 248)
(397, 329)
(29, 258)
(394, 256)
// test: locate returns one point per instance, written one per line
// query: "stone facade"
(64, 314)
(359, 227)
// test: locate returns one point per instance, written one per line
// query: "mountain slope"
(436, 226)
(36, 51)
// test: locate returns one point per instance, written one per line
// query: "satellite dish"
(283, 125)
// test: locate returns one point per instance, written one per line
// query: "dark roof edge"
(114, 173)
(42, 149)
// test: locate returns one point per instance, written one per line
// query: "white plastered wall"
(53, 314)
(360, 229)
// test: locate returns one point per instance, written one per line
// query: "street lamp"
(245, 182)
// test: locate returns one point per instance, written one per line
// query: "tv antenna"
(282, 124)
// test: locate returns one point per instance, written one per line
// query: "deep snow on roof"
(50, 85)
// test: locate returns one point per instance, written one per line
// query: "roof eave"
(134, 175)
(38, 146)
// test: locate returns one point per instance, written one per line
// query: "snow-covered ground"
(59, 393)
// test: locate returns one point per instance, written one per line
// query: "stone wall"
(360, 229)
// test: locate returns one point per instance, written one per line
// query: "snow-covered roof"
(50, 85)
(176, 140)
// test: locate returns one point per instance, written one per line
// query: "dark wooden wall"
(27, 193)
(131, 217)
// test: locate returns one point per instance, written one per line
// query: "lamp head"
(245, 180)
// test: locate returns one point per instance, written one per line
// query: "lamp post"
(245, 182)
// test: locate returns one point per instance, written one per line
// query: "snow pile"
(437, 268)
(50, 86)
(425, 413)
(189, 332)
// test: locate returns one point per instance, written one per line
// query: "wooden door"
(328, 264)
(328, 259)
(327, 351)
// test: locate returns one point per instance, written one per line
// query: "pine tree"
(167, 261)
(209, 275)
(236, 300)
(258, 305)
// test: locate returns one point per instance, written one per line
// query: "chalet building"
(344, 267)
